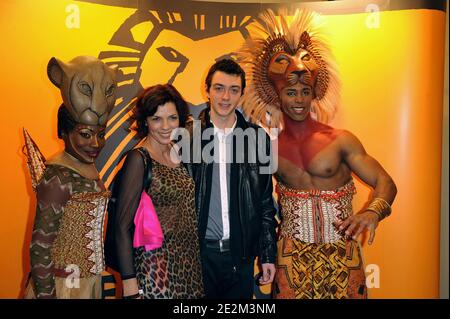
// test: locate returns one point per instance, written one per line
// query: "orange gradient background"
(392, 99)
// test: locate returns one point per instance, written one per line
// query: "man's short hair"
(227, 66)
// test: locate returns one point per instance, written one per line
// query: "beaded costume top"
(309, 215)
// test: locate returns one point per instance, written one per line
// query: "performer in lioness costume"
(66, 250)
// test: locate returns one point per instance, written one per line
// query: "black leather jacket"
(252, 211)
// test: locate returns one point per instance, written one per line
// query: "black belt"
(222, 245)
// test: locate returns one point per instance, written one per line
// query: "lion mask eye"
(85, 88)
(305, 56)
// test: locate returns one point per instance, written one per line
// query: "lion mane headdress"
(280, 54)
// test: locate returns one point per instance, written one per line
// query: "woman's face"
(85, 142)
(163, 122)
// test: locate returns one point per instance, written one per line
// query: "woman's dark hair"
(150, 99)
(66, 123)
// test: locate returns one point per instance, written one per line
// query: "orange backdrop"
(392, 79)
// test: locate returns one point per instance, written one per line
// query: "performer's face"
(85, 142)
(224, 94)
(296, 101)
(162, 123)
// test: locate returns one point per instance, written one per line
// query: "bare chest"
(317, 157)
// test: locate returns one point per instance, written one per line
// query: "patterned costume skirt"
(319, 271)
(84, 288)
(314, 260)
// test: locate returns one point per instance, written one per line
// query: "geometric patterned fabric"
(319, 271)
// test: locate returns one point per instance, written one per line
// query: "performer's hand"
(268, 274)
(354, 225)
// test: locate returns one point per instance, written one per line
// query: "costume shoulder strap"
(35, 159)
(147, 167)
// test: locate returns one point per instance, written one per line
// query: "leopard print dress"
(173, 270)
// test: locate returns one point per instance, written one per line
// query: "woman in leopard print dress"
(174, 269)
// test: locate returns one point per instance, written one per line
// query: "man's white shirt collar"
(224, 132)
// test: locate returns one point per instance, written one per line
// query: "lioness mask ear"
(115, 68)
(55, 71)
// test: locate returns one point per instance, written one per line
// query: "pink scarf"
(147, 232)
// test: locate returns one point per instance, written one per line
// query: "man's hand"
(356, 224)
(268, 274)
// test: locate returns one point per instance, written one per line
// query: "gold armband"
(380, 207)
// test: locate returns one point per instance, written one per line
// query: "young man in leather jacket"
(231, 167)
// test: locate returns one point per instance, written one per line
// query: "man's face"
(85, 142)
(224, 94)
(296, 101)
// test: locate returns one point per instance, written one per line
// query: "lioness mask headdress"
(87, 87)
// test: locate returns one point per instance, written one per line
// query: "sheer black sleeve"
(128, 196)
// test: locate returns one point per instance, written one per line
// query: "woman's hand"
(130, 288)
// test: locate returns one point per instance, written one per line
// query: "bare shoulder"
(346, 136)
(349, 142)
(55, 159)
(322, 129)
(86, 170)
